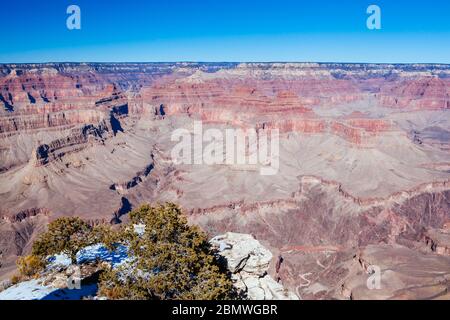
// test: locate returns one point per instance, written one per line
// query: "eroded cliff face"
(364, 156)
(425, 93)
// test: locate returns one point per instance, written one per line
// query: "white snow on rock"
(36, 290)
(57, 261)
(28, 290)
(93, 253)
(98, 252)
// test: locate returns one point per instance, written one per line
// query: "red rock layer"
(428, 93)
(48, 120)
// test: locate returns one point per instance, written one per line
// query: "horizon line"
(218, 62)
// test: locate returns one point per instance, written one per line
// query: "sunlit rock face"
(248, 262)
(364, 156)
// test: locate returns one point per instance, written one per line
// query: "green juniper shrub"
(64, 235)
(173, 260)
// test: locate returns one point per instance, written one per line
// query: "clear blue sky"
(225, 30)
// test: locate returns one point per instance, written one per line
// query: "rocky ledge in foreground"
(246, 259)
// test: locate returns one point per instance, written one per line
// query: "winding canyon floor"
(363, 177)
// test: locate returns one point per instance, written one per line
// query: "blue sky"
(225, 30)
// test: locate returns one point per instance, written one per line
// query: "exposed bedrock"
(248, 261)
(15, 124)
(122, 187)
(74, 142)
